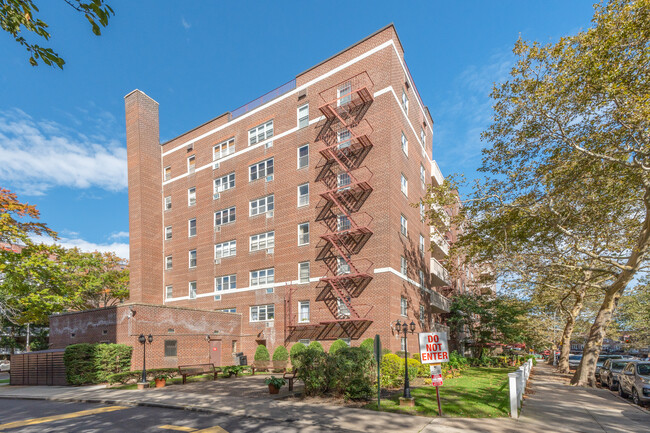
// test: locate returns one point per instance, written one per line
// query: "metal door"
(215, 352)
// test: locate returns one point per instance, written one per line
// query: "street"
(46, 416)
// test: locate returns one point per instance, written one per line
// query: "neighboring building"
(294, 211)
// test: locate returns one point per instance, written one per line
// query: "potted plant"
(161, 379)
(275, 383)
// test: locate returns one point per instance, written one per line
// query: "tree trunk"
(563, 362)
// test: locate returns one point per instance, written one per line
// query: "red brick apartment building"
(294, 212)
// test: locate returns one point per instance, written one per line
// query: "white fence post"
(517, 384)
(520, 385)
(512, 383)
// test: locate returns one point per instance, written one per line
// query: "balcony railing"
(439, 303)
(286, 87)
(440, 276)
(440, 241)
(436, 173)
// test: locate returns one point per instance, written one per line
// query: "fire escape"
(344, 136)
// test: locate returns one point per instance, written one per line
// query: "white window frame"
(189, 259)
(303, 238)
(227, 216)
(342, 223)
(421, 276)
(191, 196)
(169, 292)
(302, 317)
(191, 164)
(405, 101)
(228, 281)
(423, 137)
(189, 228)
(343, 181)
(422, 313)
(405, 144)
(267, 203)
(404, 185)
(168, 233)
(403, 306)
(403, 265)
(421, 246)
(301, 265)
(303, 121)
(168, 202)
(262, 313)
(223, 183)
(191, 288)
(343, 309)
(303, 161)
(167, 173)
(422, 212)
(168, 262)
(344, 94)
(303, 199)
(261, 241)
(403, 225)
(262, 170)
(256, 277)
(423, 176)
(260, 133)
(344, 139)
(225, 148)
(225, 249)
(342, 266)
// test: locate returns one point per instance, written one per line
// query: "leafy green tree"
(18, 15)
(633, 316)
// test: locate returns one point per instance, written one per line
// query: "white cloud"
(185, 23)
(38, 155)
(121, 249)
(119, 235)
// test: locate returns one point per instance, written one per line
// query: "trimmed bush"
(295, 350)
(94, 363)
(127, 377)
(111, 359)
(392, 370)
(316, 345)
(352, 373)
(368, 344)
(280, 354)
(337, 345)
(262, 353)
(313, 370)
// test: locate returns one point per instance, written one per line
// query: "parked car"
(4, 365)
(574, 361)
(634, 380)
(601, 360)
(610, 372)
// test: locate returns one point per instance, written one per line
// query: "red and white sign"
(436, 374)
(433, 347)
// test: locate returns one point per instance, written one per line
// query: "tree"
(632, 317)
(18, 14)
(17, 220)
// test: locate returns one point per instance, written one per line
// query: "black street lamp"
(404, 328)
(143, 340)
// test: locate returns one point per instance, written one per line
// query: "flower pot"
(273, 389)
(160, 383)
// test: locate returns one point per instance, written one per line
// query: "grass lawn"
(479, 393)
(4, 380)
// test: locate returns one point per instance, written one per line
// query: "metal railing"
(439, 240)
(439, 271)
(286, 87)
(440, 302)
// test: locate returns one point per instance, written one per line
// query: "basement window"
(171, 348)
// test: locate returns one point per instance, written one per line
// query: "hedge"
(280, 354)
(135, 376)
(316, 345)
(295, 350)
(262, 353)
(92, 363)
(337, 345)
(369, 345)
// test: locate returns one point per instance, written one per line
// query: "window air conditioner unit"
(269, 178)
(268, 145)
(270, 251)
(190, 147)
(217, 229)
(216, 196)
(302, 94)
(217, 297)
(217, 261)
(192, 169)
(269, 214)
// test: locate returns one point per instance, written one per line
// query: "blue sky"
(62, 133)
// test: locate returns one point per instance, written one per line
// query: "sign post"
(434, 351)
(377, 348)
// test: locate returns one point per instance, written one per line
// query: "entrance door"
(215, 352)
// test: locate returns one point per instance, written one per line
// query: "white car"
(4, 365)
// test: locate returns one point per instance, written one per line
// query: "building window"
(225, 216)
(303, 234)
(227, 282)
(342, 266)
(223, 183)
(421, 246)
(227, 310)
(343, 309)
(421, 313)
(225, 249)
(405, 101)
(421, 275)
(403, 344)
(343, 181)
(423, 137)
(344, 94)
(261, 170)
(403, 266)
(303, 156)
(404, 185)
(169, 292)
(342, 223)
(192, 287)
(403, 225)
(191, 196)
(304, 341)
(405, 145)
(303, 272)
(303, 311)
(191, 164)
(261, 205)
(171, 348)
(262, 241)
(303, 116)
(423, 176)
(262, 277)
(403, 304)
(260, 133)
(168, 202)
(191, 228)
(168, 262)
(303, 194)
(343, 138)
(261, 313)
(222, 149)
(168, 232)
(167, 173)
(421, 211)
(192, 257)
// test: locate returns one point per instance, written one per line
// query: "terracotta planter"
(160, 383)
(273, 389)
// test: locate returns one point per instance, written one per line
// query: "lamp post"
(405, 328)
(143, 340)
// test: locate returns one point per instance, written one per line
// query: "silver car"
(610, 372)
(634, 380)
(574, 361)
(601, 360)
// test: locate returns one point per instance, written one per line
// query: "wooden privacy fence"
(44, 367)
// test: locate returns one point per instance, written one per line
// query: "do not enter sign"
(433, 347)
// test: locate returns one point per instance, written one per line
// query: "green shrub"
(368, 344)
(458, 361)
(127, 377)
(280, 354)
(313, 370)
(111, 359)
(337, 345)
(262, 353)
(316, 345)
(385, 351)
(92, 363)
(295, 350)
(392, 370)
(352, 373)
